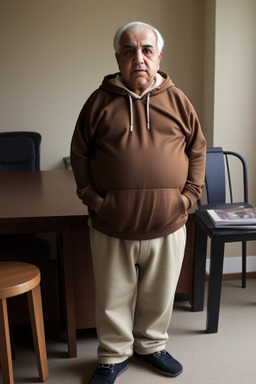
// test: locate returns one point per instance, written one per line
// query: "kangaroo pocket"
(141, 209)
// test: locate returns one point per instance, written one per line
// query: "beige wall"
(235, 81)
(207, 119)
(235, 88)
(54, 53)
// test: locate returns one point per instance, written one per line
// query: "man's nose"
(138, 57)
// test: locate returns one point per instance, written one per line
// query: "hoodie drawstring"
(147, 111)
(131, 112)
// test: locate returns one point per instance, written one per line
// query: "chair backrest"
(19, 151)
(218, 176)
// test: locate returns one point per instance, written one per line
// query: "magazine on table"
(238, 217)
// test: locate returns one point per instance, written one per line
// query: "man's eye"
(147, 51)
(129, 52)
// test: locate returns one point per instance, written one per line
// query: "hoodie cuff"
(191, 197)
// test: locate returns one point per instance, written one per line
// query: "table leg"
(69, 289)
(199, 271)
(244, 264)
(215, 283)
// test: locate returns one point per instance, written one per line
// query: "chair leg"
(243, 264)
(5, 345)
(215, 282)
(37, 324)
(199, 270)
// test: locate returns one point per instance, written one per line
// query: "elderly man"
(138, 156)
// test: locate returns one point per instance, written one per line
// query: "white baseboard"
(234, 264)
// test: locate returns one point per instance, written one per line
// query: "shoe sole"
(157, 369)
(123, 370)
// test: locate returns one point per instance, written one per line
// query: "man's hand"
(186, 202)
(97, 204)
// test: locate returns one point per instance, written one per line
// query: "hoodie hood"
(114, 84)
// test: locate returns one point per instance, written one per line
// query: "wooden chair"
(17, 278)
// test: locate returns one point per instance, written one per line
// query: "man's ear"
(159, 59)
(117, 59)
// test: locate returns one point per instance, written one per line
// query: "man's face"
(138, 59)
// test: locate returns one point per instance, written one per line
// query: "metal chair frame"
(217, 178)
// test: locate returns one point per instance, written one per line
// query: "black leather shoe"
(107, 373)
(162, 361)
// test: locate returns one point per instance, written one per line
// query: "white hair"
(134, 25)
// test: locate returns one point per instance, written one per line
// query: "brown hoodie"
(139, 155)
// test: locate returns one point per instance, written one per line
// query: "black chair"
(219, 236)
(19, 151)
(218, 178)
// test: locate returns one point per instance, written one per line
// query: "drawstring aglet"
(131, 128)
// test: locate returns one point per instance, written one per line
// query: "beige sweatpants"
(135, 287)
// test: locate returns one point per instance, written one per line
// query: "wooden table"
(45, 201)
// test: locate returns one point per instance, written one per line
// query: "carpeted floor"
(227, 357)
